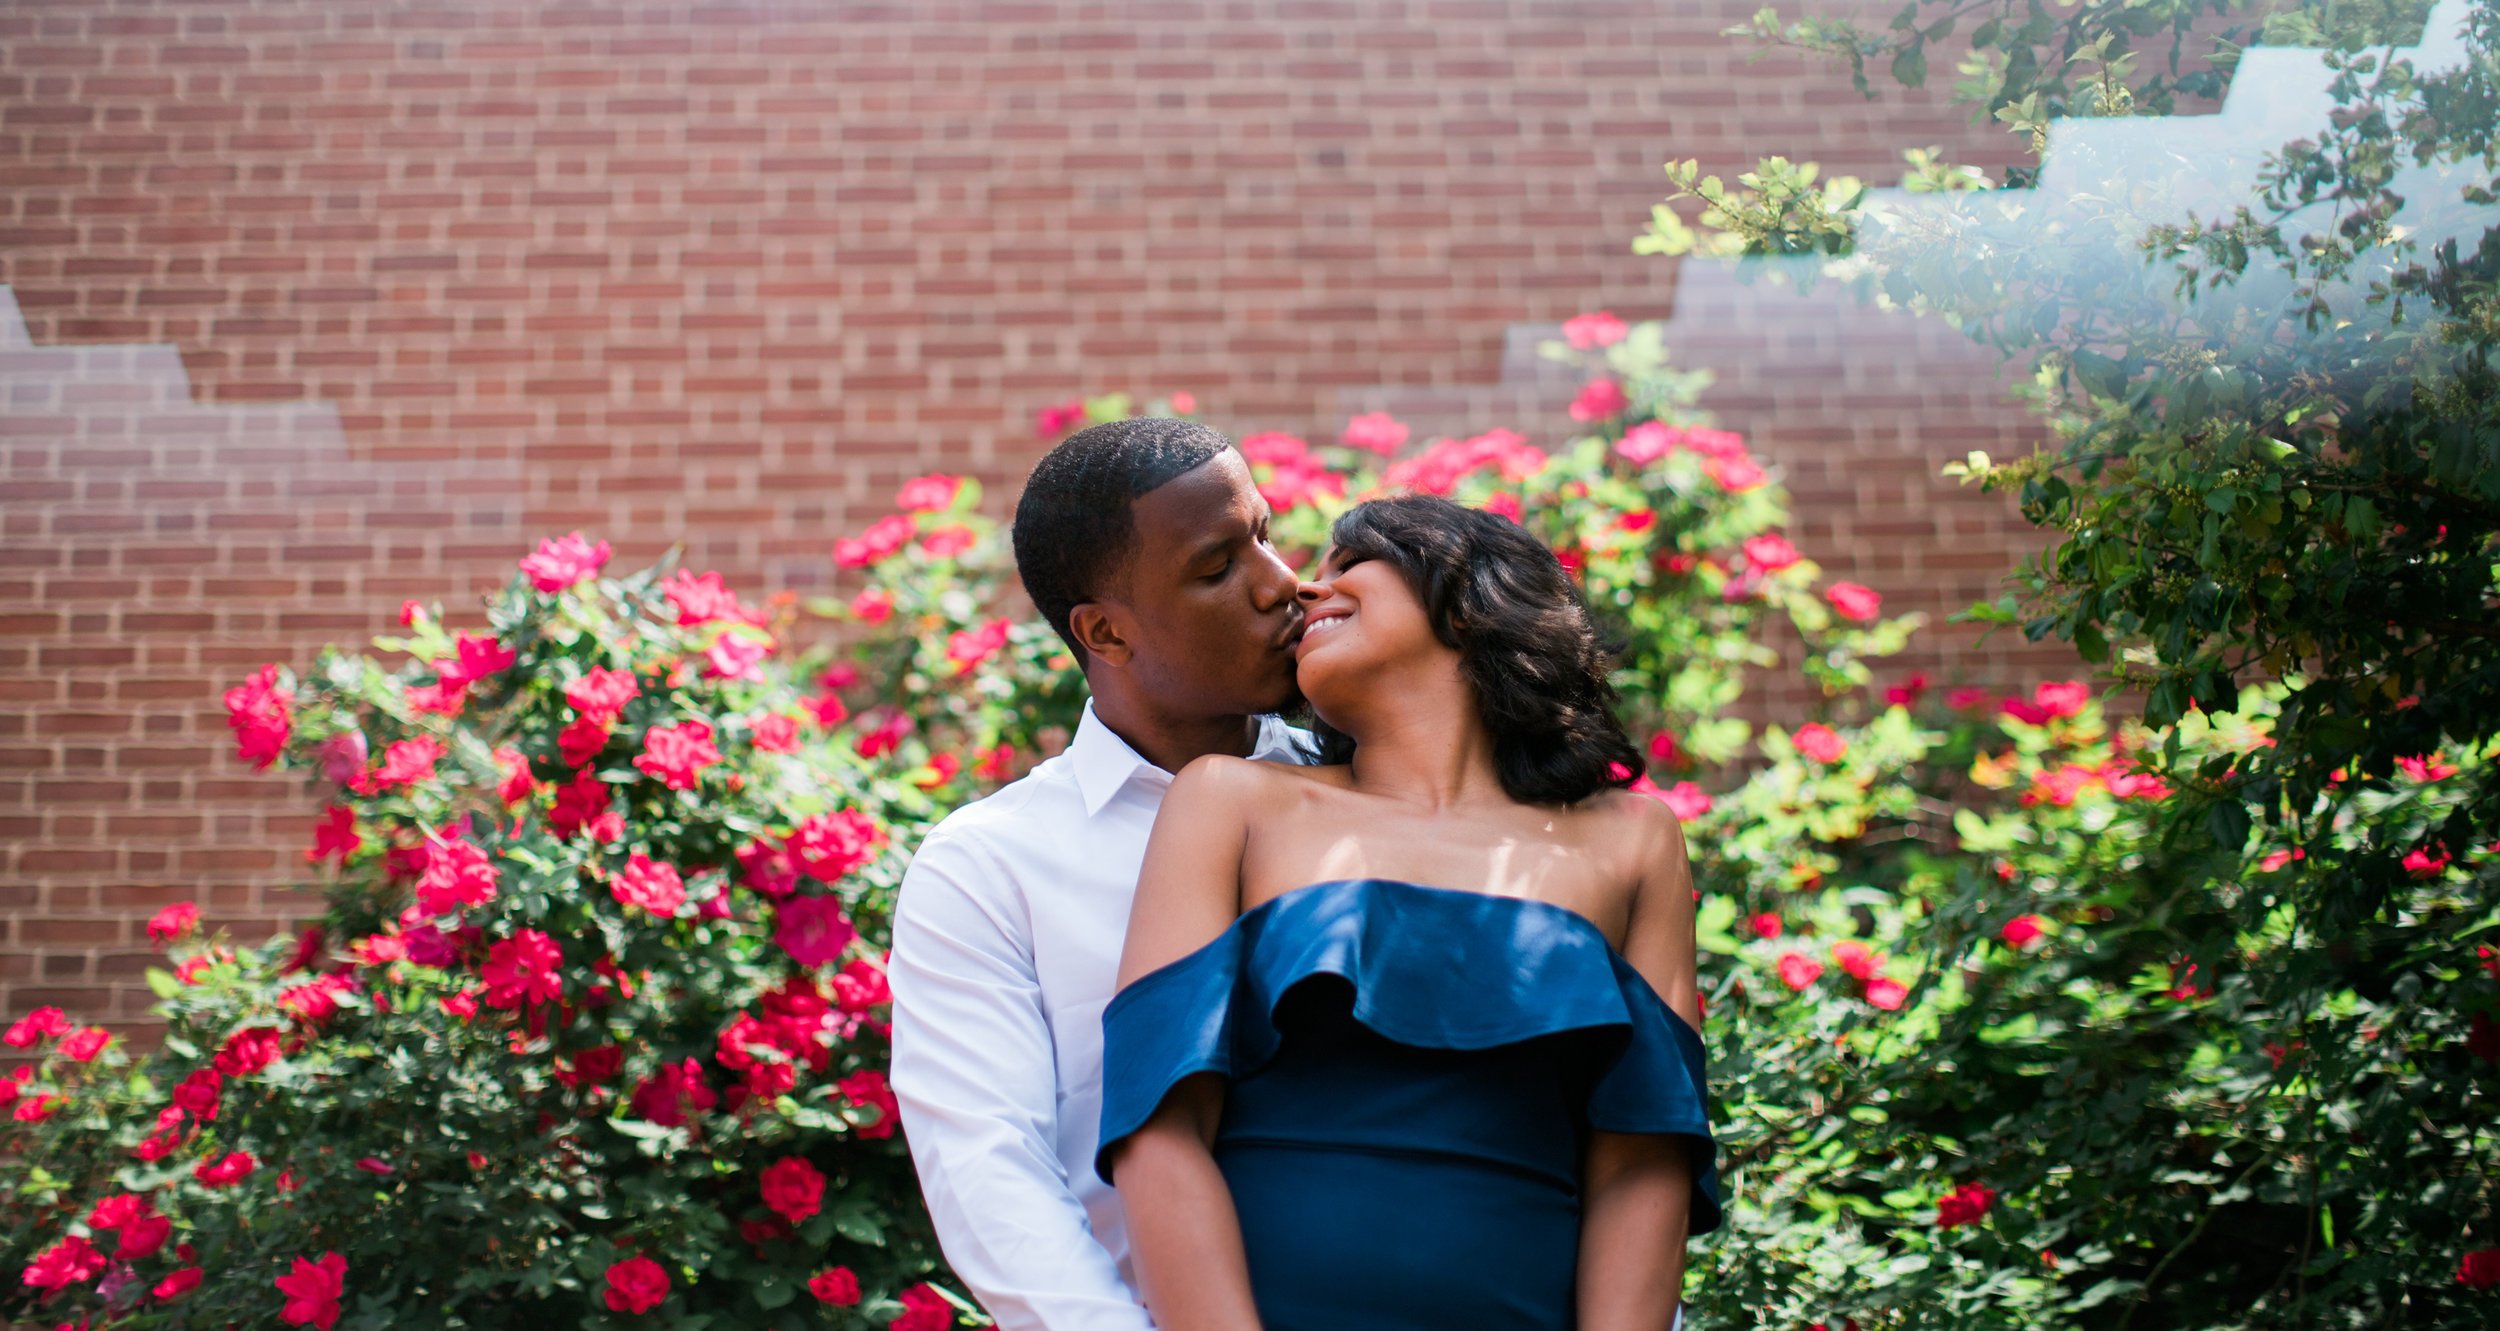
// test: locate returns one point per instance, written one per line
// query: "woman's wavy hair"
(1524, 638)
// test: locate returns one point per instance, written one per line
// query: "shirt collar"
(1105, 763)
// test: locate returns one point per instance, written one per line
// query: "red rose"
(861, 985)
(966, 648)
(1856, 958)
(2020, 930)
(181, 1282)
(872, 606)
(835, 1285)
(116, 1211)
(522, 969)
(85, 1043)
(409, 761)
(313, 1290)
(1964, 1205)
(649, 884)
(1886, 993)
(248, 1051)
(174, 922)
(867, 1088)
(830, 845)
(335, 835)
(676, 755)
(1769, 553)
(812, 930)
(2479, 1269)
(457, 873)
(793, 1189)
(516, 783)
(143, 1236)
(581, 741)
(924, 1309)
(1766, 925)
(261, 714)
(667, 1097)
(234, 1168)
(71, 1261)
(198, 1092)
(582, 803)
(636, 1285)
(768, 869)
(36, 1025)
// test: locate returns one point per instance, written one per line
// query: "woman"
(1408, 1040)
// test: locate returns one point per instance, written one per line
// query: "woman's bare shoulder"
(1251, 782)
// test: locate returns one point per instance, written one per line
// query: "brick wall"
(327, 303)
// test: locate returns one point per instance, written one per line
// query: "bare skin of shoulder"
(1421, 803)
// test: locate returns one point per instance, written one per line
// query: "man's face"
(1205, 604)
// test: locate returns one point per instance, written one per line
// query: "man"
(1144, 543)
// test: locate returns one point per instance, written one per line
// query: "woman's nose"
(1310, 593)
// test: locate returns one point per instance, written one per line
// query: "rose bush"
(593, 1025)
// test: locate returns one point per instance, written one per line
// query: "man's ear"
(1097, 626)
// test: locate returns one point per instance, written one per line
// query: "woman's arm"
(1638, 1192)
(1182, 1227)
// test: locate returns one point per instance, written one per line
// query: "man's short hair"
(1073, 526)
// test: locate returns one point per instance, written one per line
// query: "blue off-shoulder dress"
(1413, 1075)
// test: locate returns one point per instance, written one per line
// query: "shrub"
(592, 1026)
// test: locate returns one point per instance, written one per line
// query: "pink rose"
(2021, 930)
(1798, 970)
(1852, 601)
(1374, 432)
(883, 538)
(928, 494)
(1588, 332)
(700, 600)
(1600, 399)
(601, 694)
(1820, 742)
(562, 562)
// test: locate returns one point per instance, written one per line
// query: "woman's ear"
(1096, 625)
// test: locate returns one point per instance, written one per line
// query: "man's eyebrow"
(1212, 545)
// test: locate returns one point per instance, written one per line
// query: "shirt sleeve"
(975, 1071)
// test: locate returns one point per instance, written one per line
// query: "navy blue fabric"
(1413, 1073)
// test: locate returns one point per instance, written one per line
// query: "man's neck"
(1172, 743)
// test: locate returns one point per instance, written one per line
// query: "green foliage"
(2004, 1031)
(2275, 489)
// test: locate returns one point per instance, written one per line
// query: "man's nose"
(1281, 586)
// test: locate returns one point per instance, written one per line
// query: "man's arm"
(976, 1074)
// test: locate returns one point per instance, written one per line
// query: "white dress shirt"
(1007, 939)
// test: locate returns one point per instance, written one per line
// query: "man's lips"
(1291, 637)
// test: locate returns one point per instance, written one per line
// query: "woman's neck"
(1425, 746)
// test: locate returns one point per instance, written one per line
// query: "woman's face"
(1364, 629)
